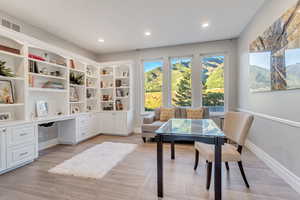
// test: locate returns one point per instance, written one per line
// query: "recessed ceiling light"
(100, 40)
(147, 33)
(205, 25)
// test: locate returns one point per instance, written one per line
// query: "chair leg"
(196, 159)
(208, 178)
(243, 174)
(227, 166)
(144, 139)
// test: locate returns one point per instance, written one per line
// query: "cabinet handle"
(4, 130)
(23, 154)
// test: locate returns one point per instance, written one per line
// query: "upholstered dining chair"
(236, 128)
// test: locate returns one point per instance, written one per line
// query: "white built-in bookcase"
(32, 74)
(115, 88)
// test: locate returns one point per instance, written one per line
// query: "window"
(212, 78)
(181, 82)
(153, 76)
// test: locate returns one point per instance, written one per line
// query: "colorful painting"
(275, 55)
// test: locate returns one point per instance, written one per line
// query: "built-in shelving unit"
(115, 87)
(12, 94)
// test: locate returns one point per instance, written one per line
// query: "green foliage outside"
(212, 79)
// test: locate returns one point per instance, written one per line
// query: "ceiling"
(122, 23)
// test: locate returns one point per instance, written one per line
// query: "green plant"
(213, 99)
(4, 71)
(183, 95)
(77, 79)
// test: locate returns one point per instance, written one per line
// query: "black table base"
(217, 141)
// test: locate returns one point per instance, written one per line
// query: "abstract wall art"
(275, 55)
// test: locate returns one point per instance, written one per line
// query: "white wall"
(279, 140)
(47, 37)
(225, 46)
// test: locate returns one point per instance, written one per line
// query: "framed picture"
(6, 92)
(6, 116)
(41, 108)
(74, 97)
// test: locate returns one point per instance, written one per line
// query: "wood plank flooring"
(135, 177)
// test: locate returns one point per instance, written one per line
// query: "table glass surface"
(190, 127)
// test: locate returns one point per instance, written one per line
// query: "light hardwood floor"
(135, 177)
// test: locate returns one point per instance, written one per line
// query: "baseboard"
(48, 144)
(289, 177)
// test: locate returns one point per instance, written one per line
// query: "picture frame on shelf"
(74, 97)
(5, 116)
(6, 92)
(42, 109)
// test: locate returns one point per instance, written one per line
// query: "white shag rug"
(96, 161)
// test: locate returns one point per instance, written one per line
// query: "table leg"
(218, 169)
(172, 150)
(160, 166)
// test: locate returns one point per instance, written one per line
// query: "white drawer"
(83, 122)
(21, 135)
(17, 156)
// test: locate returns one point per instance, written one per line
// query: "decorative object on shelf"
(41, 108)
(53, 85)
(106, 97)
(6, 92)
(103, 72)
(89, 71)
(44, 71)
(119, 105)
(118, 83)
(274, 55)
(119, 93)
(89, 83)
(72, 64)
(75, 109)
(6, 116)
(89, 94)
(31, 81)
(110, 106)
(4, 71)
(125, 74)
(77, 79)
(74, 97)
(55, 73)
(9, 49)
(36, 57)
(89, 108)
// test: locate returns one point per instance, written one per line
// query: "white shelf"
(122, 97)
(75, 85)
(78, 102)
(47, 90)
(91, 77)
(12, 78)
(12, 54)
(122, 77)
(108, 88)
(77, 70)
(107, 101)
(95, 88)
(11, 105)
(106, 75)
(47, 76)
(48, 63)
(123, 87)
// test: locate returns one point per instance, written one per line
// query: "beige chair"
(236, 128)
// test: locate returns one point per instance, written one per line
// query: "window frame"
(226, 75)
(143, 82)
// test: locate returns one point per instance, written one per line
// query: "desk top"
(190, 127)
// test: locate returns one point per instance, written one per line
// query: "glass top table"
(202, 130)
(190, 127)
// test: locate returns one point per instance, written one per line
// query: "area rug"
(96, 161)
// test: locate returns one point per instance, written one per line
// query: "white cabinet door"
(95, 124)
(107, 122)
(2, 149)
(120, 121)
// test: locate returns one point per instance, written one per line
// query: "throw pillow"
(166, 114)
